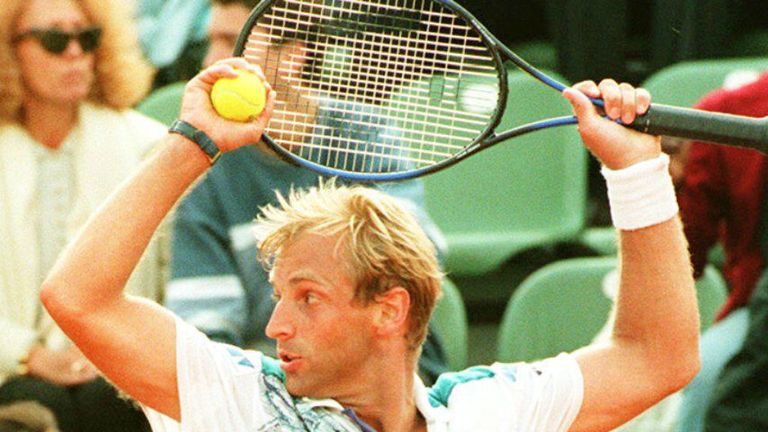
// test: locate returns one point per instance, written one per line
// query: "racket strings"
(374, 86)
(418, 99)
(283, 120)
(302, 118)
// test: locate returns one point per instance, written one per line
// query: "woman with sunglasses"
(70, 71)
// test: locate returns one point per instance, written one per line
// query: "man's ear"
(392, 316)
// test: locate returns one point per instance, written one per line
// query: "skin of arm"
(131, 340)
(653, 350)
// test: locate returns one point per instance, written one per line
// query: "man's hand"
(614, 145)
(196, 107)
(68, 367)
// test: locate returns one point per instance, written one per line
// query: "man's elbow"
(60, 305)
(681, 368)
(688, 370)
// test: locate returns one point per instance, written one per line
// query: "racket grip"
(706, 126)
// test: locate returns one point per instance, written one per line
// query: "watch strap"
(198, 137)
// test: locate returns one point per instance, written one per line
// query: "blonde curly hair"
(387, 246)
(123, 75)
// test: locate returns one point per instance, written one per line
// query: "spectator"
(216, 282)
(27, 417)
(720, 199)
(739, 399)
(173, 36)
(71, 68)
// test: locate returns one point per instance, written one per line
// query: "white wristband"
(641, 195)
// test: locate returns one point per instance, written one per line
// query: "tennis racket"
(382, 90)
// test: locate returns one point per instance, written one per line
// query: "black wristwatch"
(198, 137)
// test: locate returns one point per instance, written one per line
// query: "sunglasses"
(56, 41)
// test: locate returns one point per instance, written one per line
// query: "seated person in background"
(26, 417)
(172, 34)
(355, 282)
(70, 71)
(739, 397)
(216, 281)
(721, 194)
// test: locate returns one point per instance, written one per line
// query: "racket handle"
(706, 126)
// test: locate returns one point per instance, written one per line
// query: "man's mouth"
(289, 362)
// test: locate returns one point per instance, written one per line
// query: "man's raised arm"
(132, 341)
(653, 349)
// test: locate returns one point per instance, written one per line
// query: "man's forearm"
(657, 306)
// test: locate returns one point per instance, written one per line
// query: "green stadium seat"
(449, 321)
(562, 307)
(525, 192)
(164, 103)
(683, 84)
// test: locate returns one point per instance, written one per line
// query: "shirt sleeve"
(544, 396)
(218, 385)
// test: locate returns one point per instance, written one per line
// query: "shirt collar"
(432, 415)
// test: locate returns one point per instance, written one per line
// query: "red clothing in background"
(722, 195)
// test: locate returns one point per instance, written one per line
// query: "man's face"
(324, 337)
(223, 30)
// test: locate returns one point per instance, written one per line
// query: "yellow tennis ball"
(241, 98)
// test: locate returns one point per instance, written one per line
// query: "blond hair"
(385, 244)
(123, 75)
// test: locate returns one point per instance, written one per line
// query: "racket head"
(375, 90)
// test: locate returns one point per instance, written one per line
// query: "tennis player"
(355, 281)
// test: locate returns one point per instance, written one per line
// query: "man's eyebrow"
(319, 283)
(304, 277)
(295, 277)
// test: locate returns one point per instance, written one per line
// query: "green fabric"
(740, 399)
(441, 391)
(692, 29)
(582, 37)
(270, 366)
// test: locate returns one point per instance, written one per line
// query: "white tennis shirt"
(223, 388)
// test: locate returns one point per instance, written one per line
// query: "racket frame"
(485, 139)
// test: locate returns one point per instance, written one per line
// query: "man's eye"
(310, 298)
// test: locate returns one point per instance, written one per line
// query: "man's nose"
(279, 326)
